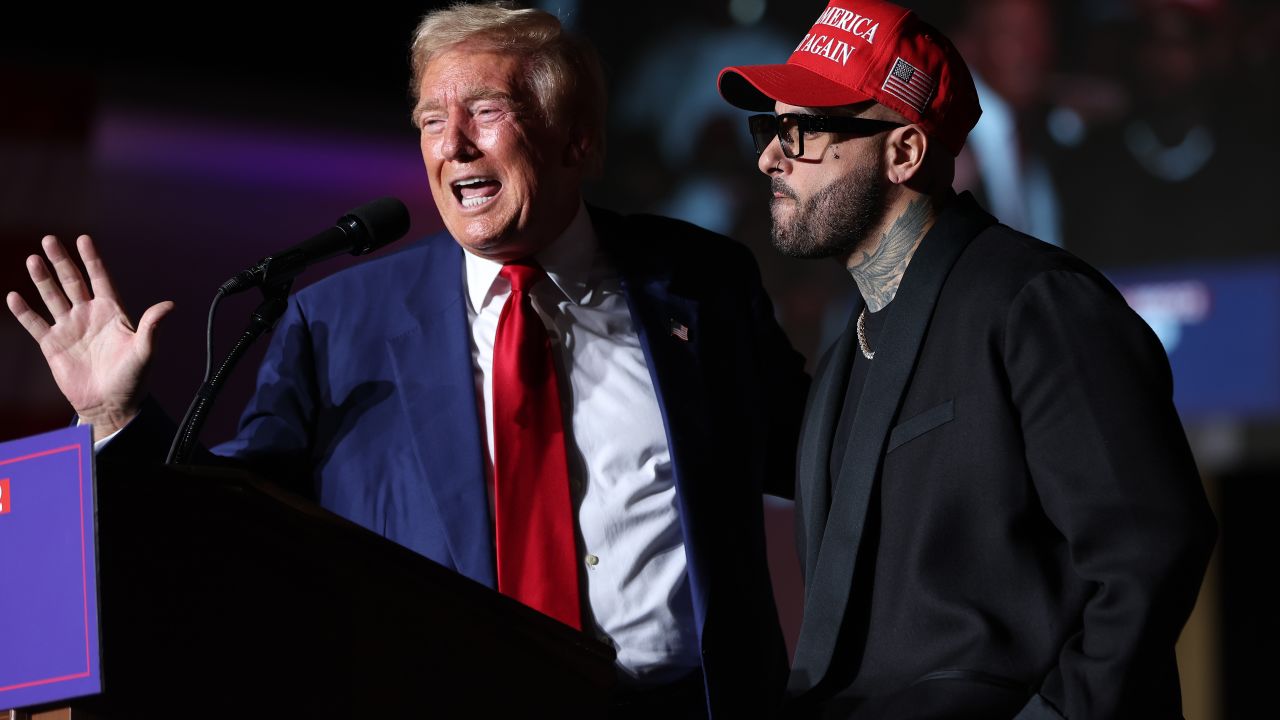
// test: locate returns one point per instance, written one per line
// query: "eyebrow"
(470, 96)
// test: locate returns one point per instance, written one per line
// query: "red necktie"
(533, 513)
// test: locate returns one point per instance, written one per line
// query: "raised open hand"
(97, 357)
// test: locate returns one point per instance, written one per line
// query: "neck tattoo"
(878, 271)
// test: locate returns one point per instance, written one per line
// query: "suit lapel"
(813, 486)
(432, 365)
(668, 322)
(909, 314)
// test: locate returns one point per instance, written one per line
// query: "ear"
(577, 149)
(905, 149)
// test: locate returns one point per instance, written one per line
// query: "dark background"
(192, 140)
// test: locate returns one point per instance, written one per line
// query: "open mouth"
(476, 191)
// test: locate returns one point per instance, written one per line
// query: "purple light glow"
(128, 141)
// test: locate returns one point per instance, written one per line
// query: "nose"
(771, 160)
(456, 144)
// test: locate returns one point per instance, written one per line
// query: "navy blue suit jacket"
(366, 398)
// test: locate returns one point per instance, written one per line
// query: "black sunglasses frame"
(767, 126)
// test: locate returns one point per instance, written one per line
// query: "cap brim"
(757, 87)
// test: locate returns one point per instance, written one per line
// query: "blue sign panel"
(48, 570)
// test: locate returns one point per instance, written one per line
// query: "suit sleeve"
(274, 435)
(144, 440)
(276, 429)
(1110, 462)
(784, 383)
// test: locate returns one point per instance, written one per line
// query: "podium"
(225, 596)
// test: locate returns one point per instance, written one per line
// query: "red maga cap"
(861, 50)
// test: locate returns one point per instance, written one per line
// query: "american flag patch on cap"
(908, 84)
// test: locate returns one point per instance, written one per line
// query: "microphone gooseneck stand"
(359, 232)
(275, 302)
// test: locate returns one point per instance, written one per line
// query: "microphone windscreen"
(385, 220)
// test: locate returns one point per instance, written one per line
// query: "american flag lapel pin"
(679, 330)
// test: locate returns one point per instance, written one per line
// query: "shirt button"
(592, 560)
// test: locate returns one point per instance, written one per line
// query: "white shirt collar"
(567, 260)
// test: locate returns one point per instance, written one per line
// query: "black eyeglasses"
(790, 129)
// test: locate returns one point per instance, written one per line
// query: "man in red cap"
(998, 511)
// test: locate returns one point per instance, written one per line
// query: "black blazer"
(1018, 516)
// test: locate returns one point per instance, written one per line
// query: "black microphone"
(360, 231)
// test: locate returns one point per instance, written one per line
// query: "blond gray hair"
(562, 72)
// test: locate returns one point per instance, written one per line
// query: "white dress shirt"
(631, 544)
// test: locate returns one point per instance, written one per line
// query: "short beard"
(837, 219)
